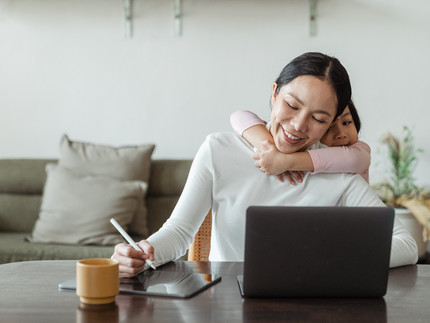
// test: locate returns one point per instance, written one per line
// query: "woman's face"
(342, 132)
(302, 112)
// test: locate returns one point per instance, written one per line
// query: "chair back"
(200, 248)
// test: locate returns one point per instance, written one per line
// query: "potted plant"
(400, 190)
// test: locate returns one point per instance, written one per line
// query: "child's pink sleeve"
(244, 119)
(345, 159)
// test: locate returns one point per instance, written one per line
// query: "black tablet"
(160, 283)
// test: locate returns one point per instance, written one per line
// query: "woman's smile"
(291, 138)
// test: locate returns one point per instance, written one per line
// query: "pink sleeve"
(345, 159)
(244, 119)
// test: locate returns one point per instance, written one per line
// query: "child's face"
(342, 132)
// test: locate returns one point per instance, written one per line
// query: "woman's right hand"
(131, 261)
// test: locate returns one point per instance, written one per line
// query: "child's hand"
(270, 161)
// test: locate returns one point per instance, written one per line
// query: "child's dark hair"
(354, 115)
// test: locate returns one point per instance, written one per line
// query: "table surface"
(29, 293)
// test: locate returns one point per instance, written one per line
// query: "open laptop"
(316, 251)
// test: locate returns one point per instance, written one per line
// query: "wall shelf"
(128, 27)
(177, 17)
(312, 17)
(177, 9)
(128, 17)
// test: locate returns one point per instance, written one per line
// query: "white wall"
(65, 67)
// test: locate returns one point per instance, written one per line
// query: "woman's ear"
(274, 87)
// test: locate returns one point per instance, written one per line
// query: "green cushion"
(19, 212)
(23, 175)
(168, 177)
(14, 247)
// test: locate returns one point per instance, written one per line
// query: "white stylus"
(129, 240)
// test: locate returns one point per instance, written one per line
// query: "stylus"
(130, 240)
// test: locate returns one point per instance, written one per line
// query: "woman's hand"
(131, 261)
(292, 177)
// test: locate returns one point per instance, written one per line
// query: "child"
(345, 155)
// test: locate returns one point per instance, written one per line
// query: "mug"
(97, 280)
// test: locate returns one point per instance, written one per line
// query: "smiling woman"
(310, 93)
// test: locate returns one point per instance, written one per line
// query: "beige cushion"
(127, 163)
(76, 209)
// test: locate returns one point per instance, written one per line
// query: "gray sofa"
(21, 189)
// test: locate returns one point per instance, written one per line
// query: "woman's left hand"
(293, 177)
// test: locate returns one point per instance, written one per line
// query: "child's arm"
(272, 162)
(345, 159)
(242, 120)
(353, 159)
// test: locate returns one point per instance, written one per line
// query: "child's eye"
(347, 123)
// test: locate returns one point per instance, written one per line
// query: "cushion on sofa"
(14, 247)
(76, 208)
(125, 163)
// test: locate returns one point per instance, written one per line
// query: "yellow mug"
(97, 280)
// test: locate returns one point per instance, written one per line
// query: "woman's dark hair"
(324, 67)
(354, 115)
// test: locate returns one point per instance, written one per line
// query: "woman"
(309, 94)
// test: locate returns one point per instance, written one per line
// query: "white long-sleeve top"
(223, 177)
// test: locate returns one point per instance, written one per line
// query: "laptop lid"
(317, 251)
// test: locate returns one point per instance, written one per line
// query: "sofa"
(21, 189)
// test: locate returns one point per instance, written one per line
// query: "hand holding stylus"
(130, 240)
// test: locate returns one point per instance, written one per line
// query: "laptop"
(316, 251)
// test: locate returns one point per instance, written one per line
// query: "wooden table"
(29, 293)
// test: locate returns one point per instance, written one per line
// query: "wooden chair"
(199, 249)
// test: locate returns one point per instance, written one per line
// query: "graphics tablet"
(160, 283)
